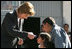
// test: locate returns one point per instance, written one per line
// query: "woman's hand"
(20, 42)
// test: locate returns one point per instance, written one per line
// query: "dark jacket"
(9, 31)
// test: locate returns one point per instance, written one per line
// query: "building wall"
(67, 13)
(49, 9)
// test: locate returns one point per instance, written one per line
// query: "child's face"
(39, 40)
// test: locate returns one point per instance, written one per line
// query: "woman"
(44, 41)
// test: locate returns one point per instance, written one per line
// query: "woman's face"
(39, 40)
(23, 16)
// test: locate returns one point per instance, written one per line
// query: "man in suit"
(11, 27)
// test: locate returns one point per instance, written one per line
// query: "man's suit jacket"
(9, 30)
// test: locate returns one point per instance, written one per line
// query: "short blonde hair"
(26, 8)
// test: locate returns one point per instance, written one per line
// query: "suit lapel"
(15, 19)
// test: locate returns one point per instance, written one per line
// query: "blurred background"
(60, 10)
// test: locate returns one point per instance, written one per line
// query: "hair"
(49, 20)
(41, 28)
(26, 8)
(47, 40)
(66, 24)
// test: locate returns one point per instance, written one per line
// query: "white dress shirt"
(22, 21)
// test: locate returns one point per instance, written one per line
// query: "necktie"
(19, 23)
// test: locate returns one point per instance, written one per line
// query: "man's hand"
(20, 42)
(31, 35)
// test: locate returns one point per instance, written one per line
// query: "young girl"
(44, 41)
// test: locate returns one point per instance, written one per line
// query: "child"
(44, 41)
